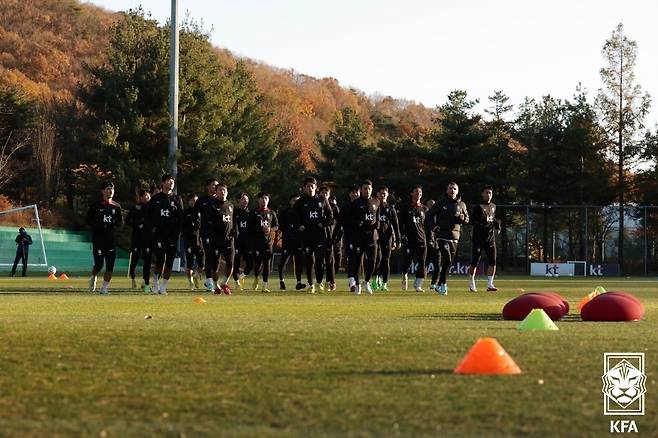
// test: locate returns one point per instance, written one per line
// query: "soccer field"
(290, 363)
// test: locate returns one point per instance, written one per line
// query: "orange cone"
(487, 356)
(52, 277)
(63, 277)
(586, 299)
(199, 300)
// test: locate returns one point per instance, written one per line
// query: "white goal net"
(10, 223)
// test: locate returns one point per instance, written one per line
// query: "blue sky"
(422, 49)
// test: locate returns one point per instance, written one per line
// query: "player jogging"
(165, 218)
(102, 217)
(313, 216)
(192, 242)
(389, 239)
(262, 224)
(485, 228)
(221, 223)
(412, 236)
(444, 223)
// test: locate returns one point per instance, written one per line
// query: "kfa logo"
(624, 384)
(313, 214)
(164, 213)
(370, 217)
(226, 218)
(107, 219)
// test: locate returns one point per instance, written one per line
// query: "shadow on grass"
(460, 316)
(394, 373)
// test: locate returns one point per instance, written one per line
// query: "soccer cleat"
(373, 284)
(332, 287)
(384, 287)
(104, 291)
(312, 289)
(418, 285)
(226, 289)
(241, 278)
(405, 282)
(163, 292)
(491, 289)
(217, 290)
(300, 286)
(443, 289)
(133, 283)
(282, 285)
(357, 289)
(146, 288)
(379, 282)
(433, 287)
(266, 288)
(353, 288)
(471, 286)
(92, 283)
(209, 284)
(256, 284)
(368, 287)
(320, 287)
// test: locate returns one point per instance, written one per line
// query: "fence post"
(527, 238)
(646, 244)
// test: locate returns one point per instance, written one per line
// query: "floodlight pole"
(173, 90)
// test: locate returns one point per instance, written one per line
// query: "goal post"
(579, 268)
(10, 221)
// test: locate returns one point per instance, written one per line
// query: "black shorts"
(104, 255)
(489, 248)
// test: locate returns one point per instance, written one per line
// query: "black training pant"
(489, 248)
(447, 252)
(164, 249)
(194, 251)
(359, 251)
(383, 260)
(314, 251)
(262, 257)
(217, 250)
(21, 254)
(106, 254)
(291, 250)
(242, 253)
(415, 251)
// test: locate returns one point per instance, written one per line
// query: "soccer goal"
(579, 267)
(10, 221)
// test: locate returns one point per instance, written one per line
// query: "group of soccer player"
(314, 232)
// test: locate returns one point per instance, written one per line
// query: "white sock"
(471, 282)
(190, 280)
(106, 284)
(265, 285)
(351, 281)
(490, 278)
(418, 283)
(163, 284)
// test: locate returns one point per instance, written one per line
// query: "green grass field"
(294, 364)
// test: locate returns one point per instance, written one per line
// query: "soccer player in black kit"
(165, 219)
(136, 219)
(485, 229)
(389, 239)
(412, 236)
(242, 251)
(221, 220)
(102, 217)
(192, 242)
(363, 221)
(444, 222)
(313, 217)
(202, 206)
(329, 259)
(342, 233)
(262, 224)
(292, 245)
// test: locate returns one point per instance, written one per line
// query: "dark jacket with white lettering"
(259, 218)
(444, 219)
(314, 213)
(485, 225)
(412, 224)
(102, 217)
(221, 222)
(389, 228)
(165, 215)
(241, 217)
(191, 226)
(363, 220)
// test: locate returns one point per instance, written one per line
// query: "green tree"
(623, 107)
